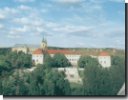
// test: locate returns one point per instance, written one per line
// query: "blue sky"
(65, 23)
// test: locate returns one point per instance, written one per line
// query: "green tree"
(19, 60)
(15, 84)
(5, 66)
(60, 60)
(48, 60)
(48, 81)
(96, 78)
(117, 71)
(84, 61)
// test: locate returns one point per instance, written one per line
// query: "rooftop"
(104, 54)
(38, 51)
(53, 51)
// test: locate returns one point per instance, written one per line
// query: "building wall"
(105, 61)
(37, 58)
(73, 59)
(25, 50)
(72, 74)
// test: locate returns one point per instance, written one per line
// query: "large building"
(38, 55)
(24, 48)
(73, 56)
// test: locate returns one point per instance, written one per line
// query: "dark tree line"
(58, 60)
(42, 81)
(14, 60)
(45, 80)
(102, 81)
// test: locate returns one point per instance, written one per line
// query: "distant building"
(73, 56)
(104, 59)
(25, 48)
(38, 57)
(19, 48)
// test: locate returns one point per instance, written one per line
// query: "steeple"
(44, 44)
(43, 40)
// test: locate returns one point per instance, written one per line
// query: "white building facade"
(72, 56)
(104, 59)
(38, 57)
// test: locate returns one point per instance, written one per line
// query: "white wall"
(105, 61)
(38, 58)
(25, 50)
(73, 59)
(71, 74)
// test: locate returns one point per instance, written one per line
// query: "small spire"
(43, 39)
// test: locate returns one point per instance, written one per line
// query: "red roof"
(62, 51)
(38, 51)
(104, 54)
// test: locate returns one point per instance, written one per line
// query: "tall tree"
(61, 61)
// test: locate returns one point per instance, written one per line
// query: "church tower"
(44, 44)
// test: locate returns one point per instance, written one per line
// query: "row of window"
(72, 59)
(103, 62)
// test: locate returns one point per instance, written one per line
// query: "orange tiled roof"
(38, 51)
(62, 51)
(104, 54)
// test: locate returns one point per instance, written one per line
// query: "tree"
(5, 66)
(60, 60)
(96, 78)
(19, 60)
(15, 84)
(117, 71)
(104, 81)
(48, 60)
(1, 88)
(84, 61)
(45, 81)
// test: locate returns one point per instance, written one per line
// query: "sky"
(64, 23)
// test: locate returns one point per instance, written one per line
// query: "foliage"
(48, 82)
(84, 61)
(61, 61)
(48, 60)
(77, 89)
(117, 72)
(104, 81)
(19, 60)
(15, 84)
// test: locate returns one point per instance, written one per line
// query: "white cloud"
(119, 1)
(69, 1)
(13, 36)
(1, 26)
(24, 1)
(24, 7)
(2, 16)
(71, 29)
(10, 10)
